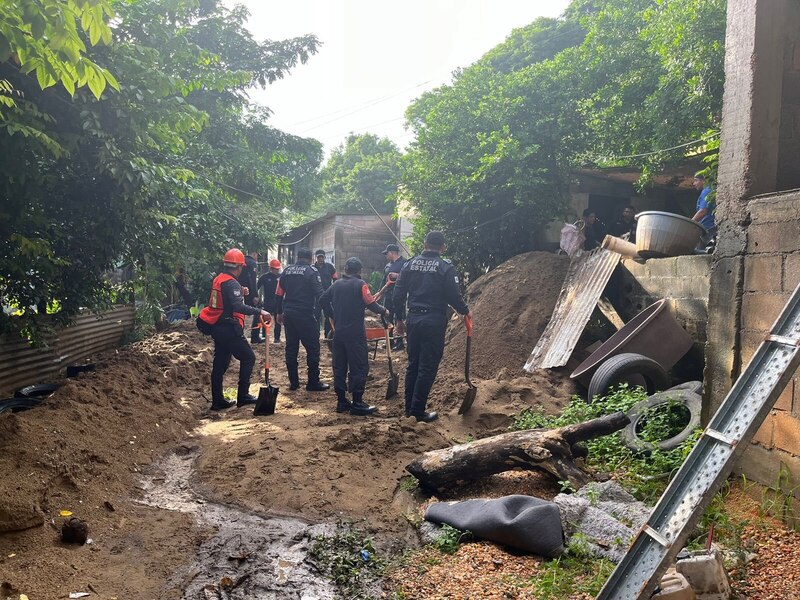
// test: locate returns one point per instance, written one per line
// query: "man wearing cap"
(395, 264)
(223, 319)
(298, 291)
(345, 302)
(248, 279)
(267, 284)
(429, 283)
(328, 275)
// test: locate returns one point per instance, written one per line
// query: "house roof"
(296, 233)
(678, 176)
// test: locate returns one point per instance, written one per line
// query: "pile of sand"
(510, 306)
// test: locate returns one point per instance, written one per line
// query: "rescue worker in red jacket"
(344, 302)
(223, 319)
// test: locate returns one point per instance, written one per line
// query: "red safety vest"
(211, 313)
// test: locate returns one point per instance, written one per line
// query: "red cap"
(274, 264)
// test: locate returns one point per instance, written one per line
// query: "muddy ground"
(177, 497)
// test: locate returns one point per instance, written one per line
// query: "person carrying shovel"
(430, 284)
(344, 302)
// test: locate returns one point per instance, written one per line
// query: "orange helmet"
(274, 264)
(233, 258)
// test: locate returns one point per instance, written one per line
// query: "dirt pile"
(511, 305)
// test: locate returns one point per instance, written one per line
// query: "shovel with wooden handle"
(394, 378)
(469, 396)
(267, 394)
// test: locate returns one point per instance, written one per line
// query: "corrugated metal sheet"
(586, 279)
(21, 365)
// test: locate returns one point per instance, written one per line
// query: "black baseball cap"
(304, 253)
(391, 248)
(435, 239)
(319, 252)
(352, 265)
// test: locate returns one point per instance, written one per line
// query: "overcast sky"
(377, 56)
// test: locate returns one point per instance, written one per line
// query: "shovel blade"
(469, 398)
(391, 388)
(267, 398)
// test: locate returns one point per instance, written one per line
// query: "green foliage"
(170, 170)
(645, 476)
(491, 161)
(364, 167)
(450, 539)
(375, 279)
(570, 575)
(348, 557)
(409, 484)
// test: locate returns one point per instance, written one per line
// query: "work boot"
(246, 399)
(293, 385)
(222, 405)
(426, 417)
(343, 405)
(317, 386)
(361, 408)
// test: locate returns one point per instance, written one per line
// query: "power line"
(697, 141)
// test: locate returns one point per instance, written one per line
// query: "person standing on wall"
(593, 230)
(626, 224)
(345, 302)
(248, 279)
(224, 320)
(267, 285)
(706, 203)
(395, 264)
(429, 283)
(328, 275)
(298, 292)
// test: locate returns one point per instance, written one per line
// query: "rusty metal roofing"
(586, 279)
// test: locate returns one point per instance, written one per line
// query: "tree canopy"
(169, 170)
(611, 82)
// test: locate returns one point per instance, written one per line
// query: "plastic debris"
(79, 594)
(65, 513)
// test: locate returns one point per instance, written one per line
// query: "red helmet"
(274, 264)
(233, 258)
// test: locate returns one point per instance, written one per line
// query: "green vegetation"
(349, 559)
(450, 539)
(645, 476)
(409, 484)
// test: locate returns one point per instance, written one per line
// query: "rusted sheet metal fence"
(586, 279)
(20, 364)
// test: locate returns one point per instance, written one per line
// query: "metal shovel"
(394, 378)
(267, 394)
(472, 391)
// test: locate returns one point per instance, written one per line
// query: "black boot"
(426, 417)
(317, 386)
(243, 397)
(343, 405)
(222, 405)
(361, 408)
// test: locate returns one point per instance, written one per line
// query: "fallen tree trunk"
(549, 450)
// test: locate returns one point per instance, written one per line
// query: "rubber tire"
(37, 390)
(616, 368)
(692, 386)
(18, 404)
(692, 401)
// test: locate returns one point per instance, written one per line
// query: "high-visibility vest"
(211, 313)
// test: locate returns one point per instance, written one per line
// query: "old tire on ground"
(617, 368)
(639, 412)
(37, 390)
(18, 404)
(692, 386)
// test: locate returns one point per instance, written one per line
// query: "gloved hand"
(266, 316)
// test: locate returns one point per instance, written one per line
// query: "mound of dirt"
(511, 305)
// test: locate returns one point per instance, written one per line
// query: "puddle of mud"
(250, 556)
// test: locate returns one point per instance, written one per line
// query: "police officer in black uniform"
(430, 284)
(298, 292)
(268, 284)
(248, 279)
(395, 264)
(224, 319)
(327, 274)
(344, 302)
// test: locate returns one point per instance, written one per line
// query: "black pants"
(425, 350)
(322, 321)
(270, 307)
(301, 328)
(350, 355)
(397, 344)
(229, 341)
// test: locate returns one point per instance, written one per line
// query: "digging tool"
(472, 391)
(267, 394)
(394, 378)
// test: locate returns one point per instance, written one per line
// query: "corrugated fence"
(21, 365)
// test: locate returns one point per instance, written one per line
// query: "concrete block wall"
(684, 281)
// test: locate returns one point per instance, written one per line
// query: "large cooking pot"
(660, 234)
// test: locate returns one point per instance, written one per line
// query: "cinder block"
(636, 269)
(760, 464)
(784, 401)
(658, 287)
(762, 273)
(791, 272)
(763, 436)
(750, 341)
(691, 309)
(771, 238)
(694, 266)
(759, 311)
(786, 433)
(662, 267)
(693, 287)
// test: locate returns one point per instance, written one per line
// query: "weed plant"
(450, 538)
